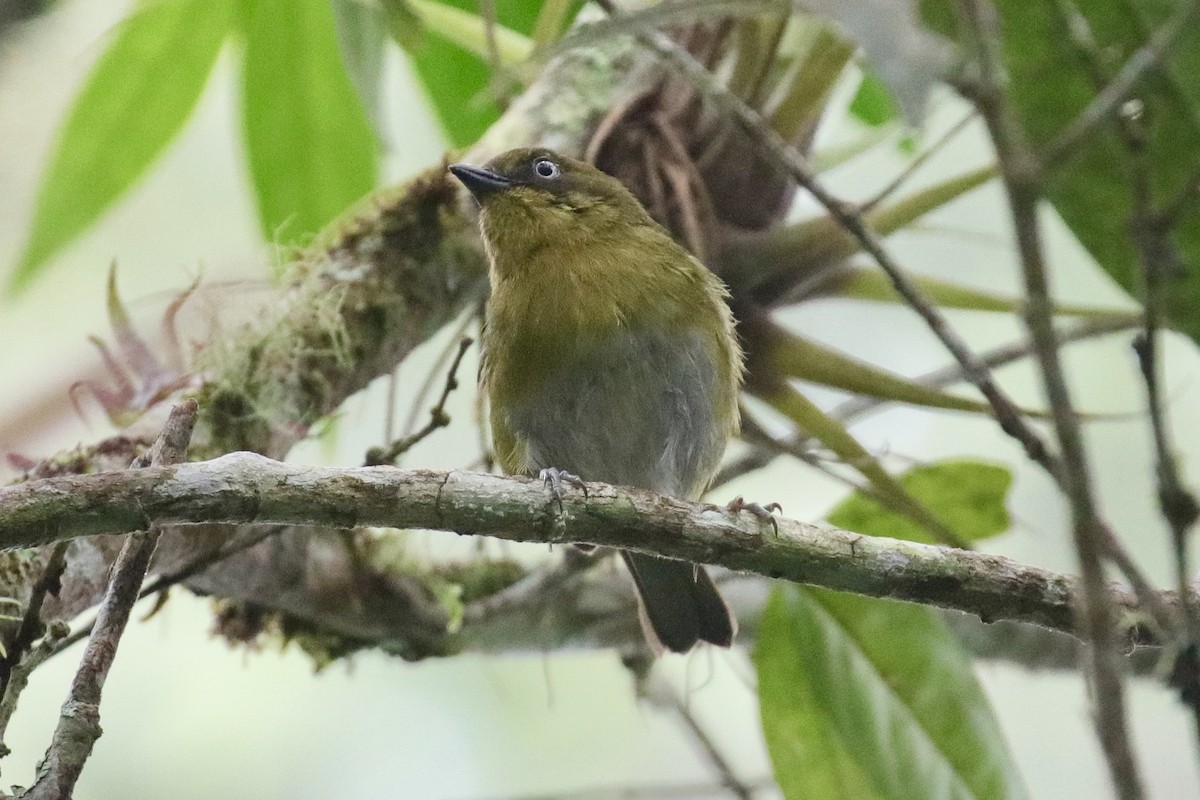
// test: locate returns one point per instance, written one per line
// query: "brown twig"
(438, 418)
(244, 487)
(31, 623)
(1107, 102)
(729, 778)
(22, 658)
(1022, 179)
(1158, 259)
(915, 164)
(79, 723)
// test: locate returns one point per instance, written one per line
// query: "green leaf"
(808, 759)
(457, 80)
(311, 148)
(135, 101)
(872, 105)
(1049, 85)
(871, 284)
(806, 360)
(470, 32)
(968, 495)
(864, 698)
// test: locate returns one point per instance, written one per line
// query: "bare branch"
(247, 488)
(1023, 178)
(438, 418)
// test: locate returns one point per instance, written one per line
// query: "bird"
(609, 353)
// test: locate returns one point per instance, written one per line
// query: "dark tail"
(679, 603)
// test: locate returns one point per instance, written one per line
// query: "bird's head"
(534, 198)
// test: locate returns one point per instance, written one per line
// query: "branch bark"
(247, 488)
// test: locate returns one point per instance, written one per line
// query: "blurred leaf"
(864, 698)
(808, 759)
(1049, 86)
(133, 104)
(868, 283)
(362, 34)
(908, 58)
(311, 149)
(872, 104)
(775, 262)
(552, 20)
(806, 360)
(969, 495)
(469, 31)
(817, 55)
(457, 80)
(834, 155)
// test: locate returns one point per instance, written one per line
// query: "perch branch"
(247, 488)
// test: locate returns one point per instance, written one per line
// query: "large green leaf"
(311, 148)
(133, 104)
(864, 698)
(1093, 191)
(968, 495)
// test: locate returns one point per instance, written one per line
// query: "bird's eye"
(545, 168)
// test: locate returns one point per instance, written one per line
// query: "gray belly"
(639, 412)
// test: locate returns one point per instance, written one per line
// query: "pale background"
(186, 717)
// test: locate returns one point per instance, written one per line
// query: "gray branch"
(244, 488)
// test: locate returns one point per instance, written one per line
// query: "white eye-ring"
(545, 168)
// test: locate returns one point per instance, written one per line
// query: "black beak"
(482, 182)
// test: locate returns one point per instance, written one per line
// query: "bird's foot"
(763, 512)
(554, 480)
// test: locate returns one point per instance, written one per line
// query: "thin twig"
(438, 418)
(1130, 130)
(79, 722)
(1156, 258)
(31, 623)
(22, 658)
(18, 678)
(1108, 101)
(1022, 179)
(531, 590)
(487, 11)
(729, 778)
(916, 163)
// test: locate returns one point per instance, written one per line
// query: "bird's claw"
(763, 512)
(554, 480)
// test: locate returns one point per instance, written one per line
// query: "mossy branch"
(245, 488)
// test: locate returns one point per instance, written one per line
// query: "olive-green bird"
(609, 355)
